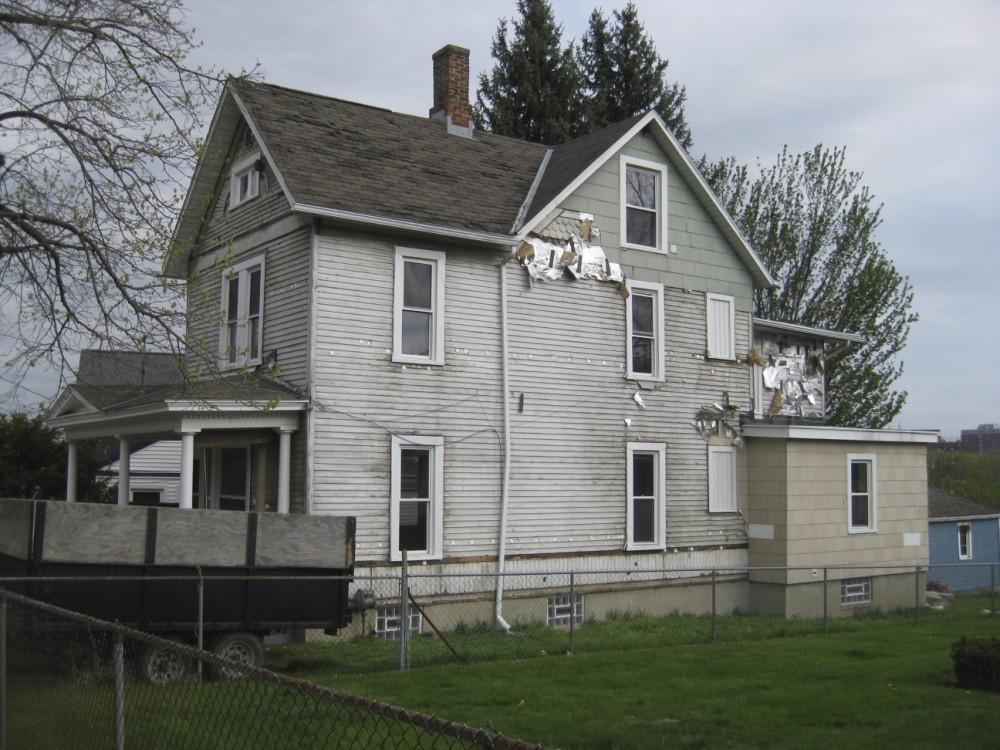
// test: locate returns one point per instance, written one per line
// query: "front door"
(227, 474)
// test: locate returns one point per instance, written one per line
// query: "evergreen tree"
(532, 93)
(623, 75)
(813, 224)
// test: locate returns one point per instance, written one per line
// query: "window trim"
(712, 349)
(967, 528)
(872, 493)
(240, 357)
(714, 489)
(435, 513)
(247, 166)
(659, 498)
(436, 259)
(646, 289)
(660, 172)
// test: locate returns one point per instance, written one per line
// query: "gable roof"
(363, 164)
(942, 504)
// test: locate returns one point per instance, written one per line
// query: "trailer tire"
(246, 649)
(159, 665)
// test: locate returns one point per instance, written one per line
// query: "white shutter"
(721, 479)
(721, 327)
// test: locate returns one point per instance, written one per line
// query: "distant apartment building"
(984, 438)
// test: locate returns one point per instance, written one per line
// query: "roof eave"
(819, 333)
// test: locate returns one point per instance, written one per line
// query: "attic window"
(244, 180)
(248, 138)
(643, 219)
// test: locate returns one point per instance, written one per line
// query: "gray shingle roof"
(351, 157)
(944, 504)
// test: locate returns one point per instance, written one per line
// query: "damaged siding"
(790, 374)
(361, 397)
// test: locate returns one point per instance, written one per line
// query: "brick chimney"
(451, 90)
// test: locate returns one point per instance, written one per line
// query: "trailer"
(240, 576)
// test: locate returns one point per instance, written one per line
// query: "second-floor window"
(243, 309)
(645, 331)
(721, 333)
(418, 307)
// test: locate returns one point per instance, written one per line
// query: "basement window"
(388, 621)
(562, 610)
(856, 591)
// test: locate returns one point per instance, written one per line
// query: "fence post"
(201, 619)
(3, 670)
(119, 666)
(916, 595)
(826, 600)
(572, 613)
(404, 620)
(715, 631)
(993, 590)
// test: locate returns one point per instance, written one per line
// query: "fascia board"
(819, 333)
(404, 225)
(843, 434)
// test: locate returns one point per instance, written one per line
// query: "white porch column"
(71, 470)
(187, 470)
(284, 470)
(124, 471)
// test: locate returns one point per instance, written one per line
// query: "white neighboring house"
(154, 475)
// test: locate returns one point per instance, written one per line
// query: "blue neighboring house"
(964, 542)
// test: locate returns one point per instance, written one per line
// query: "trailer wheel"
(245, 649)
(159, 665)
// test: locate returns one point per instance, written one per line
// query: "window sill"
(400, 359)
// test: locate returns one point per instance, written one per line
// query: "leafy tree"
(972, 475)
(624, 75)
(532, 91)
(813, 224)
(33, 462)
(99, 114)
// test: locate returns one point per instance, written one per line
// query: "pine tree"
(623, 75)
(813, 224)
(532, 93)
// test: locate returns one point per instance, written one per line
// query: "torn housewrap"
(550, 261)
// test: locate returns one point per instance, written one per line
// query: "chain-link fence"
(72, 681)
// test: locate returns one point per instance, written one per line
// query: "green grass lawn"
(881, 682)
(871, 682)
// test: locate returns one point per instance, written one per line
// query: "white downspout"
(505, 479)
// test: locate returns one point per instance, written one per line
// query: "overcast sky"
(910, 87)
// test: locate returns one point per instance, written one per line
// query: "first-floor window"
(862, 505)
(856, 591)
(417, 496)
(646, 515)
(721, 479)
(964, 541)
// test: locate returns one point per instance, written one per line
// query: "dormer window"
(244, 181)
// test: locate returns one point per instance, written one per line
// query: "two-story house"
(503, 357)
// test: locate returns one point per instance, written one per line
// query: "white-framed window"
(721, 332)
(240, 339)
(646, 517)
(643, 204)
(644, 324)
(722, 479)
(417, 497)
(244, 180)
(418, 306)
(965, 541)
(862, 496)
(856, 591)
(388, 622)
(562, 610)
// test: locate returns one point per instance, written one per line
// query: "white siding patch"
(761, 531)
(911, 539)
